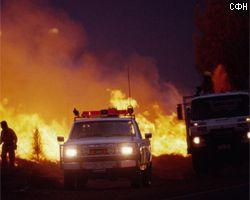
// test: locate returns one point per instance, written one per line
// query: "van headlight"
(127, 150)
(70, 152)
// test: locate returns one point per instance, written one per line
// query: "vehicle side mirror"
(60, 139)
(148, 135)
(179, 112)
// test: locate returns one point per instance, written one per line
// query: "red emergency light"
(111, 112)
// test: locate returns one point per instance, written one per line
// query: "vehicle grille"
(98, 149)
(222, 136)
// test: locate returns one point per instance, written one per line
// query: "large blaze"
(25, 125)
(168, 133)
(46, 71)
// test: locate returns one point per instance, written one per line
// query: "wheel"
(147, 176)
(200, 161)
(70, 181)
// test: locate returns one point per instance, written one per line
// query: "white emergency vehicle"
(106, 144)
(215, 123)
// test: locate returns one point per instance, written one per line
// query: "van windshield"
(102, 129)
(220, 107)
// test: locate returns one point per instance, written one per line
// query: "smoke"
(47, 70)
(46, 67)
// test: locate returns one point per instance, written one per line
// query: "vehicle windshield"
(220, 107)
(102, 129)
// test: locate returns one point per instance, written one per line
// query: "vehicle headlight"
(126, 150)
(248, 134)
(197, 140)
(70, 152)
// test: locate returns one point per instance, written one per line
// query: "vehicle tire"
(70, 181)
(200, 162)
(147, 176)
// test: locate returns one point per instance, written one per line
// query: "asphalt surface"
(173, 178)
(240, 191)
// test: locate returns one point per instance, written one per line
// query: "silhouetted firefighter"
(207, 85)
(37, 146)
(9, 140)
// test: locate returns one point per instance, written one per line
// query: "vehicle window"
(220, 107)
(102, 129)
(138, 130)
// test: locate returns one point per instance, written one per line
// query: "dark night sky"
(162, 29)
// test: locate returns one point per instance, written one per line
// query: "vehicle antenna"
(130, 108)
(129, 86)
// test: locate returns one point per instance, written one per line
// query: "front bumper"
(105, 164)
(99, 165)
(222, 140)
(103, 168)
(112, 173)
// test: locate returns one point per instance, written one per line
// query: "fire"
(49, 70)
(119, 100)
(168, 133)
(26, 124)
(220, 79)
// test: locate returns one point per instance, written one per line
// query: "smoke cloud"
(47, 70)
(46, 66)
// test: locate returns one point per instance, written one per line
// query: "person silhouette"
(9, 140)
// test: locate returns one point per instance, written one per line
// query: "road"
(173, 179)
(240, 191)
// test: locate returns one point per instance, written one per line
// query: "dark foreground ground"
(173, 178)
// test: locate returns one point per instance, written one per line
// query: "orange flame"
(168, 133)
(41, 69)
(220, 79)
(25, 125)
